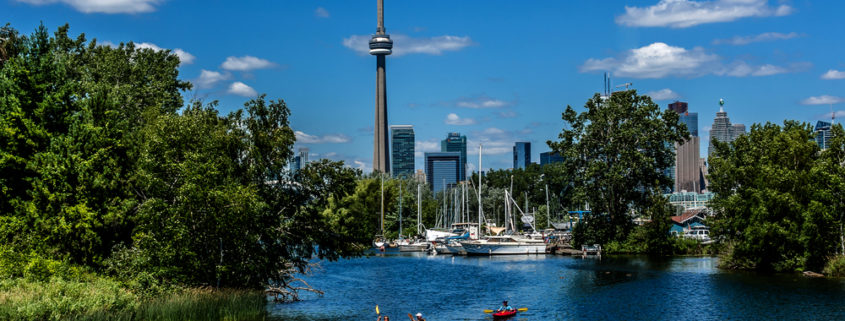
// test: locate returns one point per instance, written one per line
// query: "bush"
(835, 266)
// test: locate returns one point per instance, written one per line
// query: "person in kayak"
(419, 317)
(386, 318)
(505, 307)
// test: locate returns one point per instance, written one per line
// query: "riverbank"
(99, 298)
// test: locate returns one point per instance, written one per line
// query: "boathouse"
(688, 220)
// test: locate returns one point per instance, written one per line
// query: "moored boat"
(504, 245)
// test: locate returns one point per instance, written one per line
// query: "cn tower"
(380, 46)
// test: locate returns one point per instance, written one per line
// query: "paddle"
(520, 310)
(410, 317)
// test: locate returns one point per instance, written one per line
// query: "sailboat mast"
(382, 204)
(419, 212)
(400, 209)
(479, 190)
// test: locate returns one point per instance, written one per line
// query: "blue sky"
(497, 71)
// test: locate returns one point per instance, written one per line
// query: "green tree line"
(105, 168)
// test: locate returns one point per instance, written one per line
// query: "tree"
(775, 198)
(617, 150)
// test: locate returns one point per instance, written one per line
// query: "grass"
(104, 299)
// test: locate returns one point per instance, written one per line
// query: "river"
(559, 288)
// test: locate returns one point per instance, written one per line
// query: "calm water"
(559, 288)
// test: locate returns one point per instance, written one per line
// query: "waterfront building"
(442, 170)
(521, 155)
(689, 200)
(722, 129)
(550, 157)
(402, 141)
(380, 46)
(455, 142)
(823, 134)
(689, 220)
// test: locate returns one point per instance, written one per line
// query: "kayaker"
(419, 317)
(386, 318)
(505, 307)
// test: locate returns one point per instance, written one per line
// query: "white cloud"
(768, 36)
(364, 167)
(404, 45)
(482, 101)
(321, 13)
(656, 60)
(241, 89)
(304, 138)
(823, 100)
(426, 146)
(496, 141)
(834, 74)
(208, 79)
(184, 57)
(246, 63)
(687, 13)
(103, 6)
(659, 60)
(663, 94)
(454, 119)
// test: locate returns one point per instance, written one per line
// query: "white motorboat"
(417, 246)
(504, 245)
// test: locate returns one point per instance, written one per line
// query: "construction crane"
(626, 85)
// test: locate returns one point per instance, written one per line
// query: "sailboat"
(508, 243)
(416, 245)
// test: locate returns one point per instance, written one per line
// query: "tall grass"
(103, 299)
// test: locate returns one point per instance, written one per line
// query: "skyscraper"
(550, 157)
(456, 143)
(381, 46)
(686, 117)
(722, 129)
(823, 134)
(402, 140)
(441, 169)
(299, 161)
(521, 155)
(686, 169)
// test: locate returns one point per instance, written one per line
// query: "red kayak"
(504, 314)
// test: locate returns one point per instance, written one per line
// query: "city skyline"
(453, 71)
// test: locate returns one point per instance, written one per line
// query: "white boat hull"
(414, 247)
(503, 248)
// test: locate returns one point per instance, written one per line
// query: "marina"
(554, 287)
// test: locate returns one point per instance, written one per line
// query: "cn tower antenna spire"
(381, 46)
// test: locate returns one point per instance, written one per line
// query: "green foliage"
(835, 266)
(104, 299)
(775, 198)
(104, 169)
(617, 150)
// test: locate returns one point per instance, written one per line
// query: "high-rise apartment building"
(722, 129)
(456, 143)
(299, 161)
(521, 155)
(402, 155)
(442, 170)
(823, 134)
(550, 157)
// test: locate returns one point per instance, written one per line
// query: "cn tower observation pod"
(381, 45)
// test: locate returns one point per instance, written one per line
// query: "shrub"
(835, 266)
